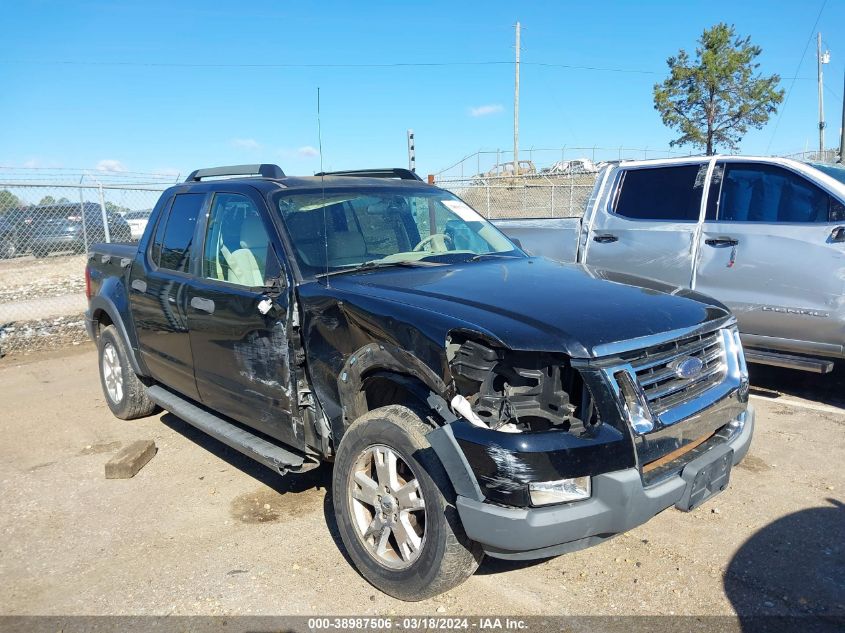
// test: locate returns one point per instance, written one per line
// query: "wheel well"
(381, 388)
(103, 320)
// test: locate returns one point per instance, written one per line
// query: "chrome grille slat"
(678, 385)
(668, 373)
(661, 385)
(648, 361)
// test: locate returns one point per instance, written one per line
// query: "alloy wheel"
(387, 507)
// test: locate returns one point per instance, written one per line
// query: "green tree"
(111, 207)
(47, 200)
(714, 99)
(8, 200)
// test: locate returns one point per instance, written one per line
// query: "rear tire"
(8, 247)
(405, 537)
(125, 394)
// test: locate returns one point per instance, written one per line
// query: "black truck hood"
(537, 304)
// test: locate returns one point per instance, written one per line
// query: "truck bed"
(556, 238)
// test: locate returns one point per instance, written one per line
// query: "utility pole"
(516, 109)
(823, 58)
(412, 152)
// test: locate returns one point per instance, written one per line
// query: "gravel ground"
(41, 303)
(201, 530)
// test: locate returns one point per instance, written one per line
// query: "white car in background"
(571, 167)
(137, 221)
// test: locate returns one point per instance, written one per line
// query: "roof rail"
(265, 170)
(386, 172)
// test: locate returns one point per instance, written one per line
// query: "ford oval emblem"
(687, 367)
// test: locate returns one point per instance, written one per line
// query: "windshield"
(834, 171)
(338, 229)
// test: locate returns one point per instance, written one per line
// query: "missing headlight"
(521, 391)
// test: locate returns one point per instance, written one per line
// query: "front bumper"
(620, 501)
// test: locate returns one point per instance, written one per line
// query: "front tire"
(125, 393)
(395, 507)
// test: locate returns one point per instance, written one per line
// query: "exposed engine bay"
(518, 392)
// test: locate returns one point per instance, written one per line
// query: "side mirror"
(516, 241)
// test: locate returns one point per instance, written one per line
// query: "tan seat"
(247, 263)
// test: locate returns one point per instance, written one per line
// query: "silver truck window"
(768, 193)
(660, 193)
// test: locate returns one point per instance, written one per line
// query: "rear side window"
(171, 247)
(768, 193)
(661, 193)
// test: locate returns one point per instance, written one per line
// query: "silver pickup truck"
(765, 236)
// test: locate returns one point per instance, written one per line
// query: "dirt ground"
(202, 530)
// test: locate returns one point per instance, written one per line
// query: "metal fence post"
(106, 233)
(487, 189)
(84, 221)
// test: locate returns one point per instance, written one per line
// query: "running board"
(259, 449)
(789, 361)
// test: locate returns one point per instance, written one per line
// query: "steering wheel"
(437, 241)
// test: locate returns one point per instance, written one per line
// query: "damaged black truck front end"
(605, 443)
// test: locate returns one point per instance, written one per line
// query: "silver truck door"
(773, 250)
(647, 221)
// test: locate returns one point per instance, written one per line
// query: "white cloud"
(307, 151)
(111, 165)
(246, 143)
(32, 163)
(485, 110)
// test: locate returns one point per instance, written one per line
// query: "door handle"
(838, 234)
(721, 241)
(605, 239)
(203, 305)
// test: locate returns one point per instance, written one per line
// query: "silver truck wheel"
(395, 507)
(125, 394)
(387, 507)
(112, 374)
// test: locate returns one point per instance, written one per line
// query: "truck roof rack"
(265, 170)
(386, 172)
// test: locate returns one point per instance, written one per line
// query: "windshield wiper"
(475, 258)
(375, 264)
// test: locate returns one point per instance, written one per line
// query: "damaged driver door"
(238, 319)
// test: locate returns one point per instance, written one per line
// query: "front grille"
(658, 378)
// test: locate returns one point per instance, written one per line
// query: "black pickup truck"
(474, 399)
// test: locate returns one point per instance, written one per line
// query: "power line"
(797, 70)
(142, 64)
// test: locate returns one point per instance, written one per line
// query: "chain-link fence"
(45, 230)
(536, 196)
(547, 161)
(828, 156)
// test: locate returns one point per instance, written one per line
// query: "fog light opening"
(560, 491)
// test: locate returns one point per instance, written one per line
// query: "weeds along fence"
(46, 229)
(536, 196)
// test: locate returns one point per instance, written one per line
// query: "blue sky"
(159, 86)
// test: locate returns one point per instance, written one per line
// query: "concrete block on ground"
(128, 461)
